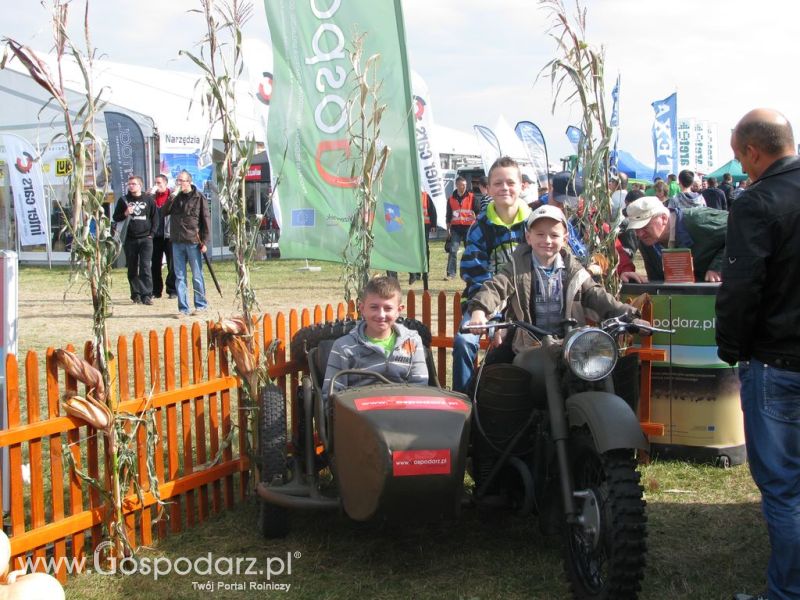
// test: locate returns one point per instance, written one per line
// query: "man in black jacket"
(758, 326)
(140, 208)
(727, 188)
(190, 234)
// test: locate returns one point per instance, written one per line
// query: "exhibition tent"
(633, 168)
(734, 167)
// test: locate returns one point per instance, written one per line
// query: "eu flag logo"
(303, 217)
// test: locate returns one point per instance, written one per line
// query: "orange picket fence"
(200, 451)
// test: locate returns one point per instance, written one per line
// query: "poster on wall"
(183, 152)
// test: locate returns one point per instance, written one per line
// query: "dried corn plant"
(578, 75)
(120, 430)
(93, 251)
(370, 156)
(221, 63)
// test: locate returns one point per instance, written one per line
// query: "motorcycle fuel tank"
(400, 451)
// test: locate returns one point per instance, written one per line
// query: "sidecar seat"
(318, 362)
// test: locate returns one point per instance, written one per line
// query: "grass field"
(707, 538)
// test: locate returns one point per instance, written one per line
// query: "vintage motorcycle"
(545, 434)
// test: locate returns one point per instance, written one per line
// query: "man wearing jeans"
(190, 232)
(758, 311)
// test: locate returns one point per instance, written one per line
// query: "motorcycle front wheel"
(605, 555)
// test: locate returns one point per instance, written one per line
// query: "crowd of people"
(165, 225)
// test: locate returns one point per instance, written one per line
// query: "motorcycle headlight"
(591, 354)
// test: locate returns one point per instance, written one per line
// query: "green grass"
(706, 540)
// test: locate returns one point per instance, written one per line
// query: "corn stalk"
(221, 64)
(94, 248)
(578, 75)
(370, 156)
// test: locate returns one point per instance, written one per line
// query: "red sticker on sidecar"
(420, 462)
(411, 403)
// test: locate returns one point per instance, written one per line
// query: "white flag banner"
(686, 147)
(25, 175)
(258, 64)
(489, 146)
(711, 145)
(430, 170)
(700, 151)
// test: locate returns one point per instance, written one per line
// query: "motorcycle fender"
(610, 420)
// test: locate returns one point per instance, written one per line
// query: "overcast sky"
(480, 58)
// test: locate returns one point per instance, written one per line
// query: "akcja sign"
(665, 136)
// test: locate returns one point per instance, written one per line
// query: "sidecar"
(380, 451)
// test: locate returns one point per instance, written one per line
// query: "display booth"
(694, 394)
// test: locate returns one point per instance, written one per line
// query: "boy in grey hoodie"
(378, 343)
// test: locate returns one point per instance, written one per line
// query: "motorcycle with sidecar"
(544, 435)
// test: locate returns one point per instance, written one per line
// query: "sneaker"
(136, 300)
(147, 300)
(200, 311)
(182, 314)
(749, 597)
(173, 295)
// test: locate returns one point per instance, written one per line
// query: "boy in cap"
(544, 284)
(657, 227)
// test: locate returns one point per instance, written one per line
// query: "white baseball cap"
(547, 211)
(642, 210)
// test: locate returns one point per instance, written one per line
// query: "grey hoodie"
(686, 200)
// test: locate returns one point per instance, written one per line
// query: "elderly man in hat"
(657, 227)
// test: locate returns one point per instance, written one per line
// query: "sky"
(481, 59)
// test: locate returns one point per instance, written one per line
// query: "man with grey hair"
(758, 309)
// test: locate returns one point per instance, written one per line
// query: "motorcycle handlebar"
(537, 331)
(613, 326)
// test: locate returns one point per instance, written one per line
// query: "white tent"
(163, 97)
(161, 102)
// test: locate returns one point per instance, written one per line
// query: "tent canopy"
(633, 168)
(734, 167)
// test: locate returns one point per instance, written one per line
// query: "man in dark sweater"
(140, 210)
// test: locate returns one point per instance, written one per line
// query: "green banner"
(307, 130)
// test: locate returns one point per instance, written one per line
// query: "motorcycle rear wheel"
(609, 563)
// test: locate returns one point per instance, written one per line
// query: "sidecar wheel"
(273, 521)
(606, 561)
